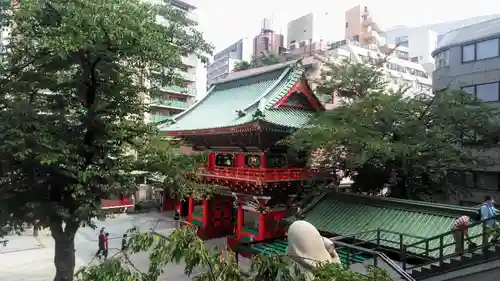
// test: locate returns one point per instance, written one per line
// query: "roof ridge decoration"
(254, 72)
(269, 89)
(298, 70)
(310, 95)
(297, 80)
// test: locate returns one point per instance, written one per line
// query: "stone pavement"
(23, 242)
(26, 258)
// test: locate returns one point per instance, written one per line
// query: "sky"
(224, 22)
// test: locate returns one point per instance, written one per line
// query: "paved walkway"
(26, 258)
(23, 242)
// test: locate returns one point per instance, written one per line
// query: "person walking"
(106, 246)
(36, 228)
(124, 242)
(100, 244)
(460, 230)
(488, 216)
(177, 218)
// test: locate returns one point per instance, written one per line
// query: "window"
(482, 180)
(481, 50)
(401, 39)
(487, 92)
(470, 89)
(275, 160)
(487, 49)
(224, 160)
(443, 59)
(346, 24)
(484, 92)
(468, 53)
(253, 161)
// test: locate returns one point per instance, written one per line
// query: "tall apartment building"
(469, 58)
(224, 61)
(267, 41)
(176, 98)
(361, 26)
(422, 40)
(312, 32)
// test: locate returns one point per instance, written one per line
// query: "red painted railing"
(258, 174)
(110, 204)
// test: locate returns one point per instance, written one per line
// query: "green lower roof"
(280, 247)
(344, 214)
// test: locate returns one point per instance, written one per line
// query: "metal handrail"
(405, 275)
(442, 245)
(450, 232)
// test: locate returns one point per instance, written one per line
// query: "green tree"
(207, 264)
(258, 61)
(72, 107)
(414, 143)
(242, 65)
(167, 165)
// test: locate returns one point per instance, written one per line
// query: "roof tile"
(250, 93)
(339, 215)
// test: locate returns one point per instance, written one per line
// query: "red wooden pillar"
(241, 219)
(190, 209)
(263, 162)
(206, 213)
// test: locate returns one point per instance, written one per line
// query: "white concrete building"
(224, 61)
(315, 28)
(422, 40)
(177, 98)
(400, 72)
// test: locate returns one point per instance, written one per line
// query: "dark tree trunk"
(64, 258)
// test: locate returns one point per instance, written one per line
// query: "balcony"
(158, 118)
(259, 175)
(193, 16)
(170, 103)
(182, 74)
(190, 60)
(176, 90)
(187, 76)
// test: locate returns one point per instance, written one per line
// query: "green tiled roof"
(247, 95)
(280, 247)
(344, 214)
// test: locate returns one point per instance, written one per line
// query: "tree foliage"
(208, 264)
(383, 136)
(169, 167)
(258, 61)
(72, 106)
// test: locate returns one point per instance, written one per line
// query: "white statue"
(307, 247)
